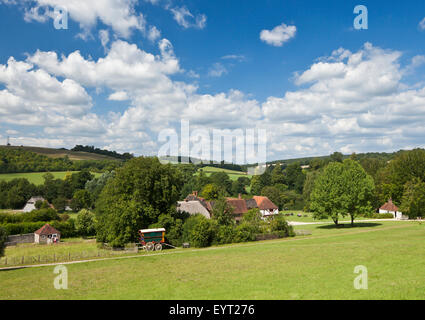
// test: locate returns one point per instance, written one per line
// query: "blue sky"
(219, 64)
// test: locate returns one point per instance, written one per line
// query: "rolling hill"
(61, 153)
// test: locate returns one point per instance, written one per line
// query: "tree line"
(22, 161)
(113, 154)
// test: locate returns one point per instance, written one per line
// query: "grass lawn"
(35, 177)
(310, 218)
(233, 175)
(320, 266)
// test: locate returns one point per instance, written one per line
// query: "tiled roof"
(264, 203)
(390, 206)
(46, 230)
(239, 205)
(251, 204)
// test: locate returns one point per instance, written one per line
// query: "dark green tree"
(3, 239)
(134, 199)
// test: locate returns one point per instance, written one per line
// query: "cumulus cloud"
(349, 101)
(187, 20)
(120, 15)
(217, 70)
(279, 35)
(354, 101)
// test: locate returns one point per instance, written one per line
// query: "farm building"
(390, 207)
(266, 206)
(30, 206)
(193, 204)
(193, 207)
(47, 234)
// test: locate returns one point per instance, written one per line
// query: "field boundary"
(180, 251)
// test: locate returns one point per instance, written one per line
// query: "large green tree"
(413, 202)
(134, 199)
(223, 212)
(407, 166)
(85, 223)
(342, 189)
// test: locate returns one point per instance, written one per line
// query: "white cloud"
(237, 57)
(154, 34)
(279, 35)
(187, 20)
(350, 101)
(217, 70)
(422, 24)
(355, 101)
(118, 96)
(120, 15)
(104, 38)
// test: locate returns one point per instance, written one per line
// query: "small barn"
(266, 206)
(47, 234)
(390, 207)
(30, 206)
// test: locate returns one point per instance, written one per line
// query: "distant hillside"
(359, 156)
(61, 153)
(92, 149)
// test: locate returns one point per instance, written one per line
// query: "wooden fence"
(63, 257)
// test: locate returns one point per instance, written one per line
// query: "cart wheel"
(158, 247)
(150, 246)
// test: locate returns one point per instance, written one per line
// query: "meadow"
(35, 177)
(320, 266)
(233, 175)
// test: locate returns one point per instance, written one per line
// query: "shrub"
(382, 216)
(10, 218)
(67, 229)
(40, 215)
(224, 235)
(202, 234)
(245, 232)
(85, 224)
(41, 204)
(22, 228)
(280, 225)
(199, 231)
(60, 204)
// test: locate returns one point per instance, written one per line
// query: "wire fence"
(62, 257)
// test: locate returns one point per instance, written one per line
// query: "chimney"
(240, 196)
(195, 193)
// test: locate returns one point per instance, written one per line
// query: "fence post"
(23, 259)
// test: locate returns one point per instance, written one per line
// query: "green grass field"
(35, 177)
(310, 218)
(233, 175)
(320, 266)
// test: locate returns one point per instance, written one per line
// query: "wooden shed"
(47, 234)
